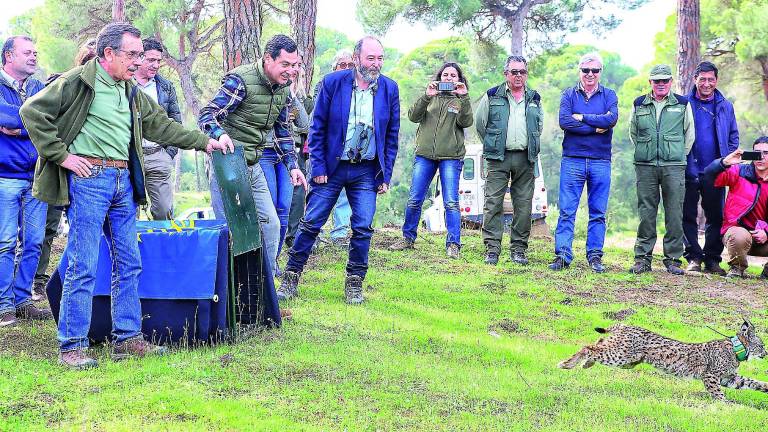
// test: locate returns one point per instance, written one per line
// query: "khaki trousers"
(739, 243)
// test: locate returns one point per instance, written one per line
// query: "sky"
(633, 39)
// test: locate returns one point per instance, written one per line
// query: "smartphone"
(750, 155)
(446, 86)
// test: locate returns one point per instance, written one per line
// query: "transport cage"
(187, 286)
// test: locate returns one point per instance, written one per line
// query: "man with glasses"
(588, 113)
(88, 126)
(508, 120)
(662, 130)
(22, 216)
(353, 143)
(717, 134)
(744, 225)
(158, 160)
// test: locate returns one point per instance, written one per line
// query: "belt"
(106, 163)
(151, 150)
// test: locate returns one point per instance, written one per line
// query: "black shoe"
(596, 263)
(518, 257)
(353, 289)
(640, 267)
(714, 268)
(289, 286)
(764, 273)
(675, 269)
(491, 258)
(558, 264)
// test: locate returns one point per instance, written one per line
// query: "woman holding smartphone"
(442, 114)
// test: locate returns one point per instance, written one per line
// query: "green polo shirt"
(106, 133)
(517, 131)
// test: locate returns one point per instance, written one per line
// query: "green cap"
(661, 71)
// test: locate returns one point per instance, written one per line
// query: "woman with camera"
(442, 114)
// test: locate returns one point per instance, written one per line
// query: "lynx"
(716, 362)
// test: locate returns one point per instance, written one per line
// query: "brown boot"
(31, 312)
(402, 244)
(77, 359)
(7, 319)
(136, 347)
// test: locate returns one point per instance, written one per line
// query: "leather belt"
(107, 163)
(151, 150)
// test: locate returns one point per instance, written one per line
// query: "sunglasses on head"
(345, 65)
(662, 81)
(516, 72)
(593, 70)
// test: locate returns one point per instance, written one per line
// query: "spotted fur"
(713, 362)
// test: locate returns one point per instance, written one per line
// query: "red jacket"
(743, 192)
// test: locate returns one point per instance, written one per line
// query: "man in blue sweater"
(588, 113)
(717, 135)
(22, 217)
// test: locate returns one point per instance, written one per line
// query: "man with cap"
(661, 128)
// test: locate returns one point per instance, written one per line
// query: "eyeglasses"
(516, 72)
(344, 65)
(133, 55)
(588, 70)
(662, 81)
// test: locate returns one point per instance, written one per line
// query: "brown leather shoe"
(31, 312)
(7, 319)
(77, 359)
(38, 291)
(136, 347)
(714, 268)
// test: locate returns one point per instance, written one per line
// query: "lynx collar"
(739, 348)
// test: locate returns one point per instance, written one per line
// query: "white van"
(472, 196)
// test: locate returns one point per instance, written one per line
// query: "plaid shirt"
(227, 99)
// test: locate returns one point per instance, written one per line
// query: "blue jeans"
(22, 219)
(280, 187)
(342, 213)
(423, 172)
(359, 181)
(574, 172)
(100, 203)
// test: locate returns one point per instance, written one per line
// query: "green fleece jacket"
(442, 119)
(54, 116)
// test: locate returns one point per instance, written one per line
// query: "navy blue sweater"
(17, 154)
(600, 111)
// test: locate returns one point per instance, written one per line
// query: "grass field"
(439, 345)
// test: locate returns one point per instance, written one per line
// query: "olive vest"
(495, 140)
(249, 124)
(660, 142)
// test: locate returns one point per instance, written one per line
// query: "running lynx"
(715, 362)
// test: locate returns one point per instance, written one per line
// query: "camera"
(446, 86)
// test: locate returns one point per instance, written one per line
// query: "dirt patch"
(620, 315)
(505, 325)
(495, 287)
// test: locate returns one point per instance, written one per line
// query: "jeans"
(712, 200)
(280, 188)
(423, 172)
(265, 209)
(22, 220)
(359, 181)
(297, 202)
(342, 213)
(100, 203)
(574, 172)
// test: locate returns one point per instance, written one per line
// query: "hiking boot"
(7, 319)
(38, 291)
(289, 286)
(694, 265)
(136, 347)
(31, 312)
(640, 267)
(402, 244)
(353, 289)
(596, 264)
(491, 258)
(453, 250)
(518, 257)
(77, 359)
(714, 268)
(558, 264)
(735, 273)
(674, 268)
(764, 273)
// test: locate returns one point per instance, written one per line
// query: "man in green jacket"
(509, 121)
(661, 128)
(88, 127)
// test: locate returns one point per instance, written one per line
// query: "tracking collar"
(739, 348)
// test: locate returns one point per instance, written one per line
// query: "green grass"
(439, 345)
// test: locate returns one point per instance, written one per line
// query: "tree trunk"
(688, 43)
(516, 33)
(118, 11)
(177, 170)
(763, 62)
(303, 15)
(188, 88)
(242, 32)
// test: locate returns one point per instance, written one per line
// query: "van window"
(484, 172)
(469, 169)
